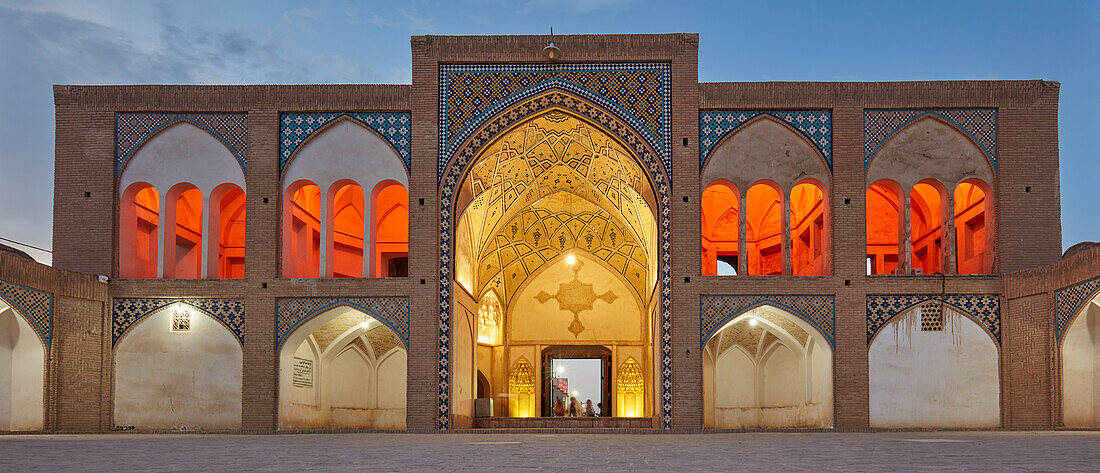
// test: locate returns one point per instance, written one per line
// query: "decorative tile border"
(471, 94)
(126, 312)
(297, 128)
(815, 125)
(35, 305)
(1069, 301)
(293, 311)
(133, 129)
(979, 123)
(818, 310)
(448, 192)
(984, 309)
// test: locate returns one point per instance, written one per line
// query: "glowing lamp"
(570, 259)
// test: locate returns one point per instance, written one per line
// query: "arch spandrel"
(929, 147)
(182, 151)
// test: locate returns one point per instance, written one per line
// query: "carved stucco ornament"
(576, 297)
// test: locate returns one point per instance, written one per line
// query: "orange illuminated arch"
(884, 211)
(227, 221)
(720, 220)
(808, 253)
(926, 226)
(302, 230)
(183, 235)
(764, 229)
(391, 229)
(139, 228)
(973, 228)
(347, 230)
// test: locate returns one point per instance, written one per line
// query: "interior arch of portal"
(554, 198)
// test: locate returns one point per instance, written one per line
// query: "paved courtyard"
(897, 451)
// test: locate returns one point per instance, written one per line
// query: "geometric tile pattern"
(815, 125)
(126, 312)
(818, 310)
(394, 127)
(984, 309)
(134, 129)
(293, 311)
(35, 305)
(470, 94)
(1069, 300)
(979, 123)
(471, 149)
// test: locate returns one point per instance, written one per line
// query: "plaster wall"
(172, 380)
(1081, 370)
(934, 379)
(929, 148)
(765, 149)
(183, 153)
(531, 320)
(22, 365)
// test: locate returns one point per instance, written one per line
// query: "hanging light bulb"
(752, 321)
(571, 259)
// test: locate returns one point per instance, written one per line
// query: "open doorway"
(576, 372)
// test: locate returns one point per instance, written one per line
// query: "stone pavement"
(893, 451)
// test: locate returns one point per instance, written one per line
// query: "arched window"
(489, 318)
(720, 229)
(347, 228)
(973, 232)
(884, 207)
(926, 226)
(227, 221)
(302, 250)
(391, 230)
(807, 230)
(184, 209)
(139, 232)
(764, 229)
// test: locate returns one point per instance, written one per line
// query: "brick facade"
(79, 381)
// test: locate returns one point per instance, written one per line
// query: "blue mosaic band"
(716, 310)
(815, 125)
(1069, 301)
(132, 130)
(127, 312)
(984, 309)
(394, 127)
(980, 124)
(34, 305)
(472, 94)
(294, 311)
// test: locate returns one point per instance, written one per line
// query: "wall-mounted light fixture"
(551, 51)
(181, 319)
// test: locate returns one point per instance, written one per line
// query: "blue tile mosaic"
(716, 310)
(132, 130)
(394, 127)
(35, 305)
(978, 123)
(984, 309)
(127, 312)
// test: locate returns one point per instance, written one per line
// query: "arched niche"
(1080, 350)
(720, 217)
(342, 369)
(181, 154)
(345, 151)
(885, 227)
(767, 368)
(170, 378)
(22, 372)
(933, 366)
(139, 232)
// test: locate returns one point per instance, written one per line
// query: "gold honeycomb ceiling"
(553, 184)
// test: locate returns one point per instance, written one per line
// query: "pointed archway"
(548, 188)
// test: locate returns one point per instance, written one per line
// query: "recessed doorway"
(581, 372)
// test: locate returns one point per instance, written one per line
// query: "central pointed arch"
(654, 174)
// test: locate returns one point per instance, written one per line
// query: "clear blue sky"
(205, 42)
